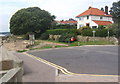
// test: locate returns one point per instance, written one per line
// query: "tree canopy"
(115, 12)
(31, 19)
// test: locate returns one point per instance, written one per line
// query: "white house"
(93, 17)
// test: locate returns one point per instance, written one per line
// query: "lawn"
(91, 43)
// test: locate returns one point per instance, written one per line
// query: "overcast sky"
(62, 9)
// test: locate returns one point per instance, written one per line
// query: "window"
(94, 27)
(87, 17)
(101, 17)
(80, 18)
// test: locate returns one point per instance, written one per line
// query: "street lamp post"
(94, 35)
(108, 32)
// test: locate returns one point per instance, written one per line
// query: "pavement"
(97, 60)
(36, 71)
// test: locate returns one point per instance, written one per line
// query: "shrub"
(66, 37)
(98, 33)
(83, 28)
(26, 36)
(44, 36)
(101, 27)
(87, 32)
(64, 26)
(61, 31)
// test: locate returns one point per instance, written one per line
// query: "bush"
(64, 26)
(83, 28)
(61, 31)
(87, 32)
(44, 36)
(26, 36)
(66, 37)
(98, 33)
(101, 27)
(104, 32)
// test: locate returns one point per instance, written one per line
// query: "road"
(100, 60)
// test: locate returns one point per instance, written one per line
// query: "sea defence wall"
(11, 67)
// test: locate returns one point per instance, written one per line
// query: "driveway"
(100, 60)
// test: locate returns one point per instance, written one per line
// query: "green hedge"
(64, 26)
(61, 31)
(87, 32)
(98, 33)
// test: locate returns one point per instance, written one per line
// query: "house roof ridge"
(93, 11)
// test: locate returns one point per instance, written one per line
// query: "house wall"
(104, 18)
(83, 20)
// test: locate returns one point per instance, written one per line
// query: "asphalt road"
(100, 60)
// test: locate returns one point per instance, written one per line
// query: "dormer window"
(87, 17)
(101, 17)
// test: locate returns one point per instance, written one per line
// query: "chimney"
(106, 10)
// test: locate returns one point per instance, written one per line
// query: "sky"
(62, 9)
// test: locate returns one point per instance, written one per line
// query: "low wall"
(85, 38)
(12, 64)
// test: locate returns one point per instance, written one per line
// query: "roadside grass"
(47, 47)
(76, 43)
(80, 43)
(21, 51)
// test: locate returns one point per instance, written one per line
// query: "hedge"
(61, 31)
(64, 26)
(98, 33)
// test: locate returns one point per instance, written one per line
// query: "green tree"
(115, 12)
(102, 9)
(31, 19)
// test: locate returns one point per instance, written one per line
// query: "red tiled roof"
(67, 22)
(93, 11)
(102, 22)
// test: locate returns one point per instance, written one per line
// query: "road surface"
(100, 60)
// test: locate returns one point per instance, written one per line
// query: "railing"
(13, 75)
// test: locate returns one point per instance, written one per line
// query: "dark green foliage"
(66, 37)
(98, 33)
(83, 28)
(102, 9)
(61, 31)
(117, 30)
(64, 26)
(115, 12)
(101, 32)
(101, 27)
(44, 36)
(87, 32)
(26, 37)
(31, 19)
